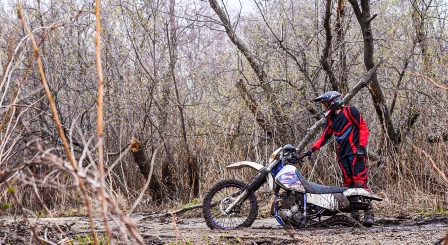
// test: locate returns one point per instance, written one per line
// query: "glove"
(294, 159)
(306, 154)
(361, 151)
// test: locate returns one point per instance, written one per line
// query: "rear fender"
(253, 165)
(330, 201)
(350, 192)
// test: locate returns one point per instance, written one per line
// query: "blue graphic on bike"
(290, 180)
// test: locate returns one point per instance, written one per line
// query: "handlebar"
(294, 158)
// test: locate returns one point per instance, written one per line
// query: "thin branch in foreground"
(57, 120)
(427, 78)
(100, 118)
(90, 180)
(178, 233)
(433, 164)
(441, 174)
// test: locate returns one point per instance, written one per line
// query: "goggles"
(325, 104)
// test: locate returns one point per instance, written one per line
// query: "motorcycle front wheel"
(219, 197)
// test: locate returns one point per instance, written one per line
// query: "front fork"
(279, 220)
(253, 186)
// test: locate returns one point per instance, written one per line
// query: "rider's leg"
(360, 173)
(346, 166)
(347, 170)
(360, 177)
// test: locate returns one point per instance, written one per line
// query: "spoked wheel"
(218, 199)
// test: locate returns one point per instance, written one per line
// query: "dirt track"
(157, 230)
(267, 231)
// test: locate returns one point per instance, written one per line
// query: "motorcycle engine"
(291, 207)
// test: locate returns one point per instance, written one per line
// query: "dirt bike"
(232, 204)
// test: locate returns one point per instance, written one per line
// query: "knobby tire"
(215, 219)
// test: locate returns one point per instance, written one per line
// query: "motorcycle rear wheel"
(218, 199)
(340, 220)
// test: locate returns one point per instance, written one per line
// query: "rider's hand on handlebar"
(294, 159)
(305, 154)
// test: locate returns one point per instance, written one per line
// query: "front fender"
(254, 165)
(244, 164)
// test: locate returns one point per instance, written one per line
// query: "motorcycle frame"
(266, 175)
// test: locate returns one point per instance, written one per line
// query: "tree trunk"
(144, 166)
(276, 111)
(312, 131)
(364, 19)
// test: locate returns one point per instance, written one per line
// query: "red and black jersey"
(349, 130)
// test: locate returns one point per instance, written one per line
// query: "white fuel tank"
(287, 178)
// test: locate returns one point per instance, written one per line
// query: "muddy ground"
(157, 229)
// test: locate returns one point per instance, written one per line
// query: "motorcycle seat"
(314, 188)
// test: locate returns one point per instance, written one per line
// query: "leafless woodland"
(114, 107)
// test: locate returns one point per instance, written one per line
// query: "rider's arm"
(362, 126)
(326, 134)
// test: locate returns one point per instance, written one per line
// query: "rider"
(351, 134)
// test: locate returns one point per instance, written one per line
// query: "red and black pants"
(354, 170)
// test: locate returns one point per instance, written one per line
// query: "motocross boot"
(355, 213)
(369, 217)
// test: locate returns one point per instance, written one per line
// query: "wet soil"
(158, 229)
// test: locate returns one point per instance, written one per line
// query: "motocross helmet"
(330, 100)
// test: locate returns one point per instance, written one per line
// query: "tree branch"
(313, 129)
